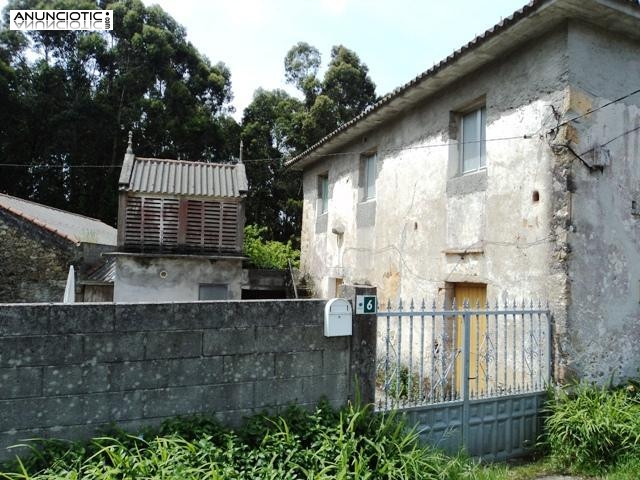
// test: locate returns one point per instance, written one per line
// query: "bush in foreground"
(592, 429)
(350, 444)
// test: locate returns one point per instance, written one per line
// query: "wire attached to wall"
(593, 110)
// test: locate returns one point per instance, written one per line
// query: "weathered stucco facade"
(603, 264)
(552, 215)
(177, 278)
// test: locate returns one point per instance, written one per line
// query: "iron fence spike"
(389, 305)
(400, 304)
(411, 306)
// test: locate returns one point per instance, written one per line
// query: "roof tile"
(180, 177)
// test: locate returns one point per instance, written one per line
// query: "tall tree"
(345, 90)
(268, 125)
(80, 92)
(347, 84)
(301, 65)
(277, 126)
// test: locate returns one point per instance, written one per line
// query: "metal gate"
(472, 378)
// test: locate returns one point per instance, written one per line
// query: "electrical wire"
(280, 159)
(526, 136)
(589, 112)
(619, 136)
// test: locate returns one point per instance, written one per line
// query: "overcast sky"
(396, 39)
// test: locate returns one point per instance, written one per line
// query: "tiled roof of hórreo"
(181, 177)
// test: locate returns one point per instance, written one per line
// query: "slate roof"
(180, 177)
(523, 25)
(103, 273)
(70, 226)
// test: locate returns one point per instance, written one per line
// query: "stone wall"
(34, 262)
(33, 265)
(68, 370)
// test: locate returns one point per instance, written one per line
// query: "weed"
(592, 428)
(352, 443)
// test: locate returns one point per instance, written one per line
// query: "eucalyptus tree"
(277, 126)
(77, 93)
(268, 133)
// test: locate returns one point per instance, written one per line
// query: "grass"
(594, 430)
(590, 431)
(349, 444)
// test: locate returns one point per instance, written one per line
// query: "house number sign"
(366, 304)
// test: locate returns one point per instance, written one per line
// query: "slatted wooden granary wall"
(161, 224)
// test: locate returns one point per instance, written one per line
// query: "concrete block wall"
(67, 370)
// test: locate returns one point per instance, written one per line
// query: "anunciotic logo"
(61, 19)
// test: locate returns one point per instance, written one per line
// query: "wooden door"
(475, 294)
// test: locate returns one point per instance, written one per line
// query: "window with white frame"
(472, 140)
(323, 193)
(369, 173)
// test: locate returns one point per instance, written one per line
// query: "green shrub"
(353, 443)
(590, 429)
(268, 253)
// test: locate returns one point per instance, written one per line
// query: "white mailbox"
(337, 318)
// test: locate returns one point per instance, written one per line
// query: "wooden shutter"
(133, 222)
(212, 226)
(169, 224)
(151, 223)
(229, 227)
(195, 218)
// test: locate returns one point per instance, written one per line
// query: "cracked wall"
(601, 254)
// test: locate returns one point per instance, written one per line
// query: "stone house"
(180, 230)
(38, 244)
(510, 169)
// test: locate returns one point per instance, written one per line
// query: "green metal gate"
(472, 378)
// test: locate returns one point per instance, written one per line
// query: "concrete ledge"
(468, 183)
